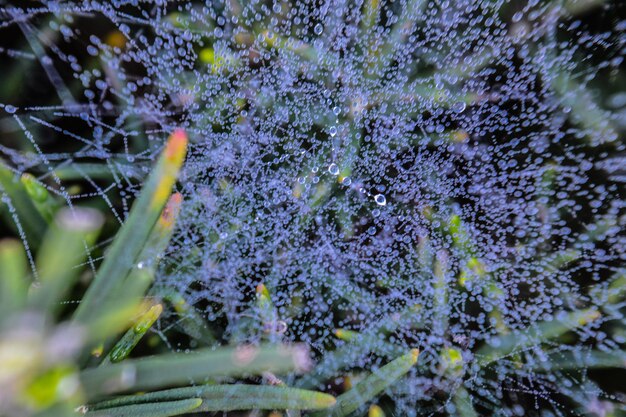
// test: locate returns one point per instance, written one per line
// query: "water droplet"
(280, 327)
(333, 169)
(10, 109)
(318, 29)
(333, 131)
(346, 181)
(380, 199)
(458, 107)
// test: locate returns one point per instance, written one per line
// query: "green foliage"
(160, 409)
(234, 397)
(134, 234)
(371, 386)
(178, 368)
(27, 218)
(58, 361)
(49, 365)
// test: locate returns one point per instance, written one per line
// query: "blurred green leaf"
(463, 403)
(134, 233)
(62, 252)
(79, 171)
(582, 106)
(14, 279)
(371, 386)
(234, 397)
(361, 343)
(53, 386)
(40, 196)
(162, 409)
(180, 369)
(30, 220)
(571, 361)
(142, 274)
(536, 334)
(190, 322)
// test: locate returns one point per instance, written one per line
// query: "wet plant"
(365, 178)
(60, 363)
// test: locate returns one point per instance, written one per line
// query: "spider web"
(432, 174)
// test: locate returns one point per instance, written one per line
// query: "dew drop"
(380, 199)
(333, 169)
(458, 107)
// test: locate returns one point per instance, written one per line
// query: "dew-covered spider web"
(382, 175)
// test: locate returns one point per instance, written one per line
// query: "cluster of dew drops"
(366, 161)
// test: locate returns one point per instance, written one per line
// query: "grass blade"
(585, 111)
(142, 274)
(32, 223)
(361, 344)
(131, 338)
(371, 386)
(181, 369)
(463, 403)
(13, 276)
(440, 297)
(161, 233)
(234, 397)
(79, 171)
(40, 197)
(164, 409)
(114, 320)
(536, 334)
(135, 232)
(191, 322)
(617, 288)
(64, 247)
(569, 361)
